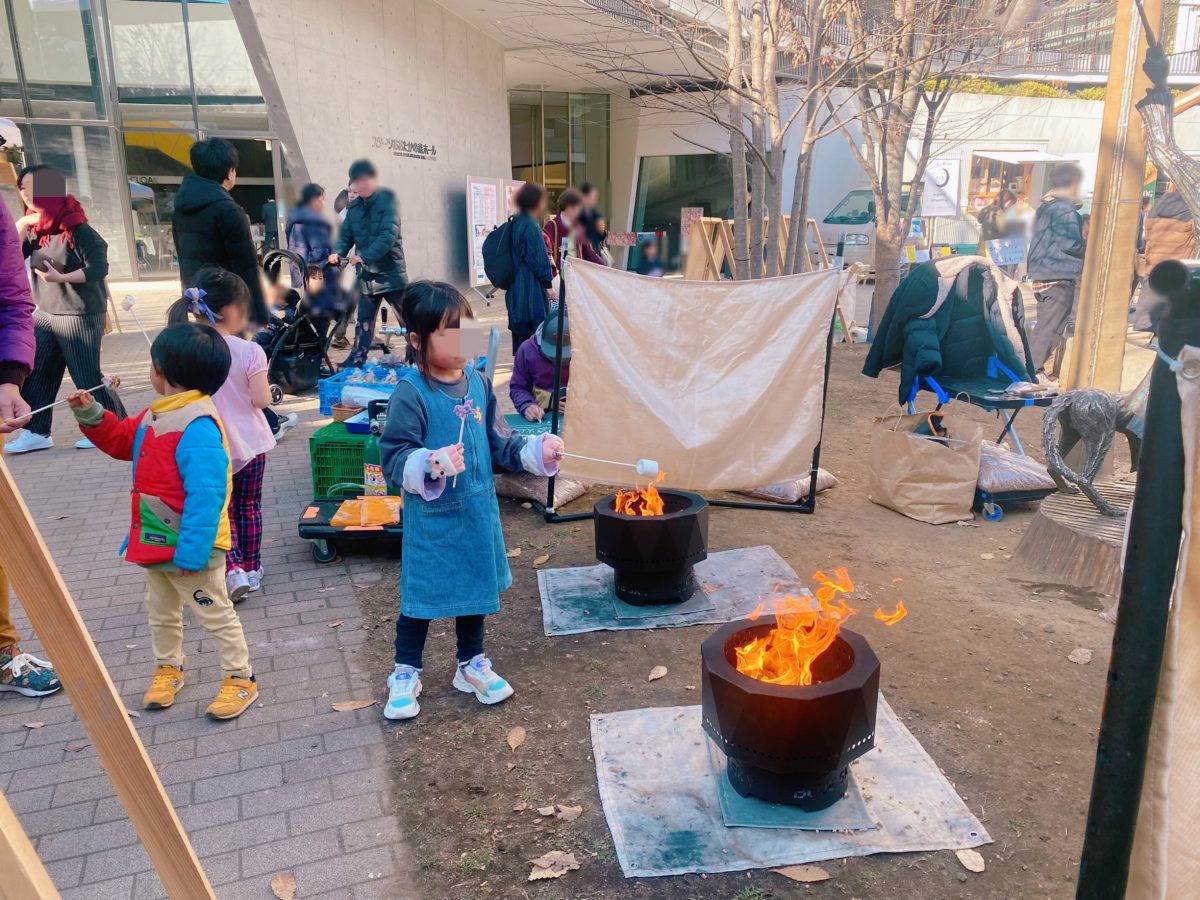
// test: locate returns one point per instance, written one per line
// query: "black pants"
(368, 312)
(1055, 319)
(66, 344)
(520, 337)
(411, 633)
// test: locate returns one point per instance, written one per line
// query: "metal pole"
(1137, 650)
(558, 356)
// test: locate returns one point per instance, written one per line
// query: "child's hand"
(533, 413)
(80, 399)
(552, 446)
(447, 461)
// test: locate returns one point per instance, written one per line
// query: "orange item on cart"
(358, 512)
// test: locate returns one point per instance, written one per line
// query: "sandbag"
(792, 491)
(1001, 469)
(930, 479)
(524, 486)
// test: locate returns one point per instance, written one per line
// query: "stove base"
(642, 589)
(809, 794)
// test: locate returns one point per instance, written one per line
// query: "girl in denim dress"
(454, 561)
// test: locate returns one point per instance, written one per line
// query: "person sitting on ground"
(1055, 262)
(532, 385)
(566, 226)
(180, 531)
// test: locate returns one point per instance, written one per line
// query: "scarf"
(59, 215)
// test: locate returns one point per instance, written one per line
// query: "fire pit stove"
(790, 744)
(652, 555)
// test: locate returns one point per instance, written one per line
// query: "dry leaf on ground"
(520, 807)
(987, 555)
(76, 746)
(516, 737)
(33, 725)
(526, 505)
(351, 705)
(283, 886)
(803, 874)
(514, 552)
(134, 713)
(657, 672)
(554, 864)
(333, 624)
(970, 859)
(545, 810)
(568, 813)
(542, 560)
(1080, 655)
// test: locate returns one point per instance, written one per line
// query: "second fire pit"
(653, 555)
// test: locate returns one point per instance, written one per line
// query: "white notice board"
(484, 207)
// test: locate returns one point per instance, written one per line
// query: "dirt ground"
(978, 671)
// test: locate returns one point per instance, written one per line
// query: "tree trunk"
(758, 138)
(889, 245)
(739, 265)
(797, 259)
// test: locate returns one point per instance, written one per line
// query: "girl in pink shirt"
(221, 299)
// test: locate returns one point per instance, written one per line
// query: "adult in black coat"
(211, 229)
(372, 228)
(527, 297)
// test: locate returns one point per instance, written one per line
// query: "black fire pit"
(652, 556)
(790, 744)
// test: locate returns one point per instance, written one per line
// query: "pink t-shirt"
(246, 427)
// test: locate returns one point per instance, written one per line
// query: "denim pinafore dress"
(454, 563)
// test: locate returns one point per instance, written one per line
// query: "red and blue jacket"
(182, 478)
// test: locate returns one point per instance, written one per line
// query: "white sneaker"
(476, 677)
(27, 442)
(237, 584)
(84, 444)
(286, 424)
(404, 687)
(254, 579)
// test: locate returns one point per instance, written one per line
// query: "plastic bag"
(792, 491)
(1000, 470)
(524, 486)
(362, 512)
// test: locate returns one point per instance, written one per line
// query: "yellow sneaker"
(234, 698)
(165, 685)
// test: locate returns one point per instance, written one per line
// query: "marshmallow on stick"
(647, 468)
(109, 381)
(127, 305)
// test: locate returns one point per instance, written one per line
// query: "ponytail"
(213, 290)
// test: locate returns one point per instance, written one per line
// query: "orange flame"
(893, 617)
(640, 501)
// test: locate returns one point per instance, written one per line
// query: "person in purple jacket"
(20, 672)
(532, 383)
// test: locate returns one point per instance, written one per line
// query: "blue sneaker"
(404, 687)
(476, 677)
(26, 674)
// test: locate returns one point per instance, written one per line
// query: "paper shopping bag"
(930, 478)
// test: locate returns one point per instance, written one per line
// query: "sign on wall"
(483, 215)
(688, 216)
(940, 194)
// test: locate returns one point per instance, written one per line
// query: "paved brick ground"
(291, 785)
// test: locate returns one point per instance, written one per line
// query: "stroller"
(297, 342)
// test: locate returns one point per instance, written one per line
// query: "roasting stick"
(646, 467)
(110, 381)
(127, 305)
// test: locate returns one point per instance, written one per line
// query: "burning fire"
(785, 655)
(641, 501)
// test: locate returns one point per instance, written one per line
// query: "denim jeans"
(411, 634)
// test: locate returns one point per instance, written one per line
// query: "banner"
(721, 382)
(940, 194)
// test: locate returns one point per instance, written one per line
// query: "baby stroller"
(297, 339)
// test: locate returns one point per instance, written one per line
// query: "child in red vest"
(180, 530)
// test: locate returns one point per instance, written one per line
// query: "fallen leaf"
(521, 807)
(134, 713)
(545, 810)
(1080, 655)
(803, 874)
(554, 864)
(657, 672)
(895, 580)
(333, 624)
(568, 813)
(33, 725)
(970, 859)
(509, 766)
(516, 737)
(283, 886)
(542, 560)
(58, 518)
(76, 746)
(351, 705)
(514, 552)
(968, 524)
(987, 555)
(526, 506)
(689, 687)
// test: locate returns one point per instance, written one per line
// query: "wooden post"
(22, 875)
(1097, 352)
(26, 560)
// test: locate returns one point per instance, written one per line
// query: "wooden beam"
(45, 598)
(22, 875)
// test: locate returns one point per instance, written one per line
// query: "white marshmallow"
(647, 468)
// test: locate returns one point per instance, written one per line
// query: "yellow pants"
(167, 593)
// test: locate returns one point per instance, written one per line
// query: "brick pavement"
(291, 785)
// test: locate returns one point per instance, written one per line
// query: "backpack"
(498, 261)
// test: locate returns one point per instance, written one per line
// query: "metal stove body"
(653, 556)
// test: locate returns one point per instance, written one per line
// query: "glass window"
(10, 86)
(856, 208)
(227, 93)
(150, 59)
(156, 162)
(666, 184)
(58, 55)
(589, 141)
(84, 153)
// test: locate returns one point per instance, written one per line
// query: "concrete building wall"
(358, 78)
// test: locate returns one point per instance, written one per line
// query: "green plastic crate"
(336, 457)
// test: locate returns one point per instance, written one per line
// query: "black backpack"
(498, 260)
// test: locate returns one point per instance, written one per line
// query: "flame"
(641, 501)
(893, 617)
(785, 654)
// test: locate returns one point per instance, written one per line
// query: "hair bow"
(197, 306)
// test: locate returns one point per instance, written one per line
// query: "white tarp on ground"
(1166, 857)
(721, 382)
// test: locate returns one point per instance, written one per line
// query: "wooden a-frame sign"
(25, 559)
